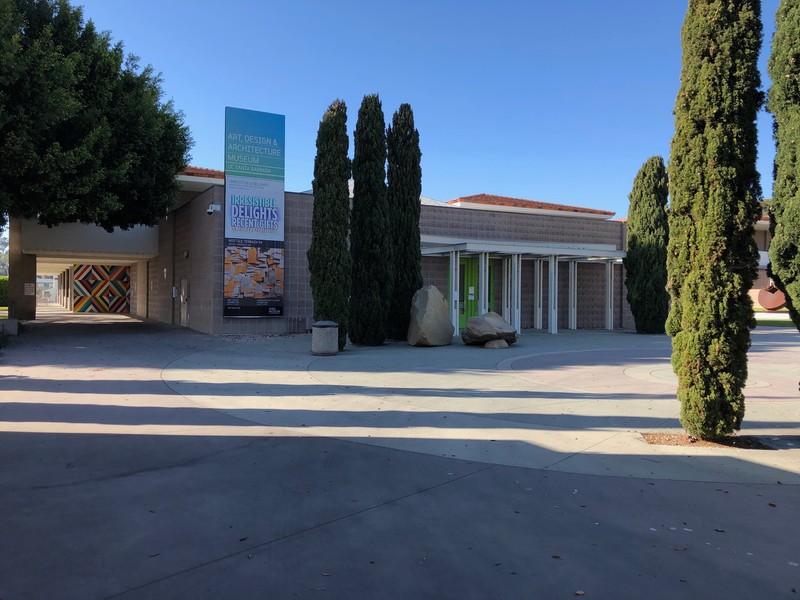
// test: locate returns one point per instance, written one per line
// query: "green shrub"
(646, 262)
(784, 104)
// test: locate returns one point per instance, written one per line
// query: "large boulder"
(430, 319)
(485, 328)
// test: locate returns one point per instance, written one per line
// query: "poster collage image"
(253, 271)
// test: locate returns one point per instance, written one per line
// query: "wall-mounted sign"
(253, 281)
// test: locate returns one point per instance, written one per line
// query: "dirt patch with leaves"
(744, 442)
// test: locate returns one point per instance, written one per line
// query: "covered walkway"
(512, 255)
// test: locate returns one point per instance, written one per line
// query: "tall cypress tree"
(784, 104)
(329, 258)
(404, 188)
(646, 261)
(714, 189)
(370, 237)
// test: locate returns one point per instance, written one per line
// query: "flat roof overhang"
(198, 185)
(58, 248)
(440, 246)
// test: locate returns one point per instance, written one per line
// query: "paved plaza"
(145, 461)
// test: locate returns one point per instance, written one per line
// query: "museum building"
(540, 265)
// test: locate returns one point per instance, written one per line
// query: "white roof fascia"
(434, 240)
(530, 249)
(198, 179)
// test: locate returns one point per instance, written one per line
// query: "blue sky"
(553, 101)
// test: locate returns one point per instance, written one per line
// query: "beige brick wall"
(184, 235)
(21, 271)
(436, 271)
(160, 274)
(298, 304)
(761, 280)
(191, 247)
(482, 224)
(133, 305)
(205, 257)
(591, 295)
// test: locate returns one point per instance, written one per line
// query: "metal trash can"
(325, 338)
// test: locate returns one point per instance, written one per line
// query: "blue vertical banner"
(253, 281)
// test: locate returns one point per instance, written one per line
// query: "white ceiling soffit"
(88, 240)
(53, 265)
(193, 183)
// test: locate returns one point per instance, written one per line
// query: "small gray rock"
(491, 344)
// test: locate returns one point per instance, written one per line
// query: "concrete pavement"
(143, 461)
(576, 402)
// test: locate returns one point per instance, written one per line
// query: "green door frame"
(468, 289)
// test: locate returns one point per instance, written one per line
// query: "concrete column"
(142, 287)
(455, 259)
(483, 283)
(21, 276)
(573, 294)
(67, 288)
(506, 285)
(552, 295)
(538, 281)
(71, 288)
(609, 305)
(516, 292)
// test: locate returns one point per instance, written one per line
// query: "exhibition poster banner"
(253, 281)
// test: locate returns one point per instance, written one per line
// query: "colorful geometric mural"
(101, 288)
